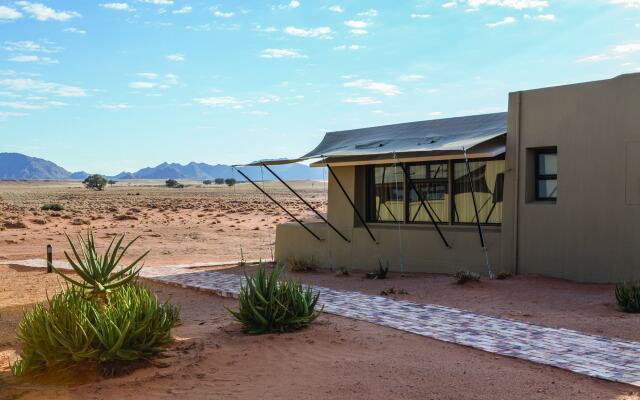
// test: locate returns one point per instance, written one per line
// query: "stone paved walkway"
(596, 356)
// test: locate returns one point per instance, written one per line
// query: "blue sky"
(112, 86)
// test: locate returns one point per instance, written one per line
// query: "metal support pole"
(422, 203)
(278, 204)
(475, 208)
(49, 259)
(351, 202)
(308, 205)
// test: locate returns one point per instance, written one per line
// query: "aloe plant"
(98, 274)
(628, 296)
(270, 305)
(72, 328)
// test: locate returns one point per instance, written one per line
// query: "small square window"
(546, 174)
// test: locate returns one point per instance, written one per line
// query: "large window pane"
(388, 194)
(431, 181)
(548, 188)
(547, 164)
(488, 184)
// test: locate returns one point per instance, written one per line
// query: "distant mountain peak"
(16, 166)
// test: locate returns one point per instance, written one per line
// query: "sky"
(112, 86)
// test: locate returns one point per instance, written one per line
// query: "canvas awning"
(439, 138)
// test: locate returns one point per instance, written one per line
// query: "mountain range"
(15, 166)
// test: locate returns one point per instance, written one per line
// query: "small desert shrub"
(503, 275)
(172, 183)
(464, 276)
(230, 181)
(52, 207)
(268, 305)
(381, 273)
(628, 296)
(219, 181)
(301, 264)
(75, 327)
(207, 182)
(391, 290)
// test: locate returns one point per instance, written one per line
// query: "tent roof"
(439, 135)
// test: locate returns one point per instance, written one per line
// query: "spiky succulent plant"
(99, 274)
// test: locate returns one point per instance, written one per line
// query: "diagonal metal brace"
(307, 204)
(351, 202)
(423, 204)
(278, 204)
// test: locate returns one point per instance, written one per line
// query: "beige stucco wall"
(592, 232)
(407, 248)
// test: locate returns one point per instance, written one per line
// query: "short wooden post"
(49, 258)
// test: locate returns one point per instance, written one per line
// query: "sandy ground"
(336, 358)
(551, 302)
(197, 223)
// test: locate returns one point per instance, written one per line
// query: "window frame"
(537, 178)
(370, 211)
(453, 193)
(408, 189)
(370, 192)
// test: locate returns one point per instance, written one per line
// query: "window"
(440, 190)
(546, 174)
(386, 185)
(432, 183)
(487, 178)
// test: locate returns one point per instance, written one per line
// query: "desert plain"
(335, 358)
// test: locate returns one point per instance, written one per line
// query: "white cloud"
(116, 106)
(515, 4)
(323, 32)
(74, 30)
(158, 2)
(9, 14)
(411, 78)
(221, 14)
(349, 47)
(294, 4)
(148, 75)
(356, 24)
(357, 27)
(364, 100)
(36, 86)
(224, 101)
(436, 113)
(23, 105)
(143, 85)
(33, 59)
(626, 3)
(43, 13)
(183, 10)
(336, 9)
(542, 17)
(267, 29)
(420, 16)
(449, 4)
(117, 6)
(281, 53)
(626, 48)
(593, 58)
(176, 57)
(30, 46)
(369, 13)
(504, 21)
(386, 89)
